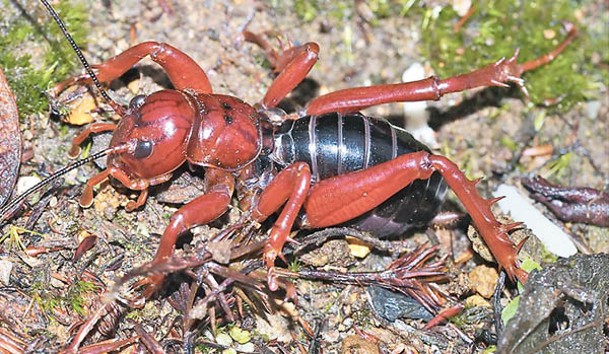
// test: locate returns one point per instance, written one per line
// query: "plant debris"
(571, 204)
(10, 140)
(563, 309)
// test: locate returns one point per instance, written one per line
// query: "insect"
(322, 166)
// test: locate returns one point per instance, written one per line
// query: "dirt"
(353, 53)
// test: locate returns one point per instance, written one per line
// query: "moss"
(559, 165)
(34, 52)
(497, 28)
(77, 297)
(294, 266)
(338, 11)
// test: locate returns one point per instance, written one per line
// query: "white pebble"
(522, 209)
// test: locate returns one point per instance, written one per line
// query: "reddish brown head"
(158, 127)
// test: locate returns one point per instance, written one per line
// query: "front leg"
(85, 134)
(140, 184)
(342, 198)
(219, 187)
(182, 70)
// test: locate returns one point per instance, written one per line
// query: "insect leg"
(500, 73)
(341, 198)
(181, 69)
(289, 187)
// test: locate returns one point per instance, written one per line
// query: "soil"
(353, 53)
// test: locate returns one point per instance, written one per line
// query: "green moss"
(34, 52)
(294, 266)
(559, 165)
(75, 299)
(308, 11)
(497, 28)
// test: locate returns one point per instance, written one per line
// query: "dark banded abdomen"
(334, 144)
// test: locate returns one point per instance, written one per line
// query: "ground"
(360, 45)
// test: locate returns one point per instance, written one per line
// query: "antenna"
(115, 106)
(9, 209)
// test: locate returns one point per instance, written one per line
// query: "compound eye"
(143, 149)
(137, 102)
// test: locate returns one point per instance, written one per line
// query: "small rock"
(331, 335)
(549, 34)
(5, 271)
(476, 301)
(592, 109)
(334, 252)
(274, 326)
(357, 248)
(26, 182)
(220, 250)
(80, 112)
(484, 280)
(224, 339)
(135, 87)
(391, 305)
(358, 345)
(246, 348)
(461, 7)
(348, 322)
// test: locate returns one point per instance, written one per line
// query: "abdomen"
(334, 144)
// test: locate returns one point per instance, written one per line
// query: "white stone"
(522, 209)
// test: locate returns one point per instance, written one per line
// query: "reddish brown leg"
(84, 135)
(497, 74)
(301, 60)
(342, 198)
(141, 185)
(293, 65)
(289, 187)
(86, 199)
(141, 200)
(183, 72)
(272, 56)
(202, 210)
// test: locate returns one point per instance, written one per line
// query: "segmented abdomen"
(335, 144)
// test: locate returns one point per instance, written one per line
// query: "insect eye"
(137, 102)
(143, 149)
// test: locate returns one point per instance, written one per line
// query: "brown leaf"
(85, 245)
(10, 140)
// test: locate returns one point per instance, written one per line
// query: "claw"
(514, 57)
(524, 91)
(571, 204)
(499, 83)
(74, 152)
(271, 279)
(86, 198)
(148, 286)
(269, 257)
(500, 61)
